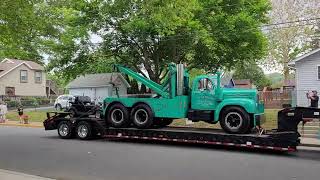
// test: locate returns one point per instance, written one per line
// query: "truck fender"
(247, 104)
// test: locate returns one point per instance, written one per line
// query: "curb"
(311, 145)
(6, 174)
(308, 148)
(23, 125)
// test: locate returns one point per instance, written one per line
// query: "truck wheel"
(65, 130)
(118, 116)
(84, 130)
(235, 120)
(142, 116)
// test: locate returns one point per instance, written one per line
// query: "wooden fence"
(277, 99)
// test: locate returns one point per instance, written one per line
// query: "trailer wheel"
(118, 116)
(84, 130)
(142, 116)
(235, 120)
(65, 130)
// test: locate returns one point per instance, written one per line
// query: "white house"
(98, 86)
(307, 75)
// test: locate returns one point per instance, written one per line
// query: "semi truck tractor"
(237, 110)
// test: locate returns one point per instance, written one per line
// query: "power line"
(291, 22)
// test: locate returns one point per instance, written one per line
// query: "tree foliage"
(82, 36)
(287, 41)
(24, 25)
(253, 72)
(146, 35)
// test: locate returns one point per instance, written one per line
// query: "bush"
(31, 102)
(12, 104)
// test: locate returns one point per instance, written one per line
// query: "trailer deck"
(280, 141)
(272, 140)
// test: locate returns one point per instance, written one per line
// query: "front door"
(203, 95)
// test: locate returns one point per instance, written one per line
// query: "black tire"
(118, 116)
(84, 130)
(142, 116)
(235, 120)
(65, 130)
(58, 107)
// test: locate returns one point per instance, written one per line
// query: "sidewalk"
(311, 142)
(16, 123)
(12, 175)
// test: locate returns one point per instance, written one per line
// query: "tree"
(23, 27)
(254, 73)
(288, 40)
(146, 35)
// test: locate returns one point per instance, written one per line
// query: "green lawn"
(34, 116)
(39, 116)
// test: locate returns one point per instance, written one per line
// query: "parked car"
(63, 102)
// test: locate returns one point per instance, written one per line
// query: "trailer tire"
(118, 116)
(142, 116)
(65, 130)
(235, 120)
(84, 130)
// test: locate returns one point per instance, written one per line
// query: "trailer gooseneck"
(284, 138)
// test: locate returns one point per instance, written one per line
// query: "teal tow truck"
(237, 110)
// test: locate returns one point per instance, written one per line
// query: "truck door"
(203, 95)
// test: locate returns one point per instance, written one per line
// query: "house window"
(23, 76)
(10, 91)
(38, 77)
(319, 72)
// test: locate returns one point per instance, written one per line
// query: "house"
(307, 76)
(22, 78)
(98, 86)
(243, 83)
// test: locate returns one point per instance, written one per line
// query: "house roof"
(97, 80)
(292, 63)
(8, 65)
(242, 82)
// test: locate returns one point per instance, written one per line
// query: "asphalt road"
(34, 151)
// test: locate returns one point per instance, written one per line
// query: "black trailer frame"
(285, 138)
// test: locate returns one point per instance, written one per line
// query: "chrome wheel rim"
(82, 131)
(117, 116)
(64, 130)
(141, 116)
(233, 120)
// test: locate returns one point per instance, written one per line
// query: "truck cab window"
(205, 84)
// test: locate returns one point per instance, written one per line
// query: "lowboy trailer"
(284, 138)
